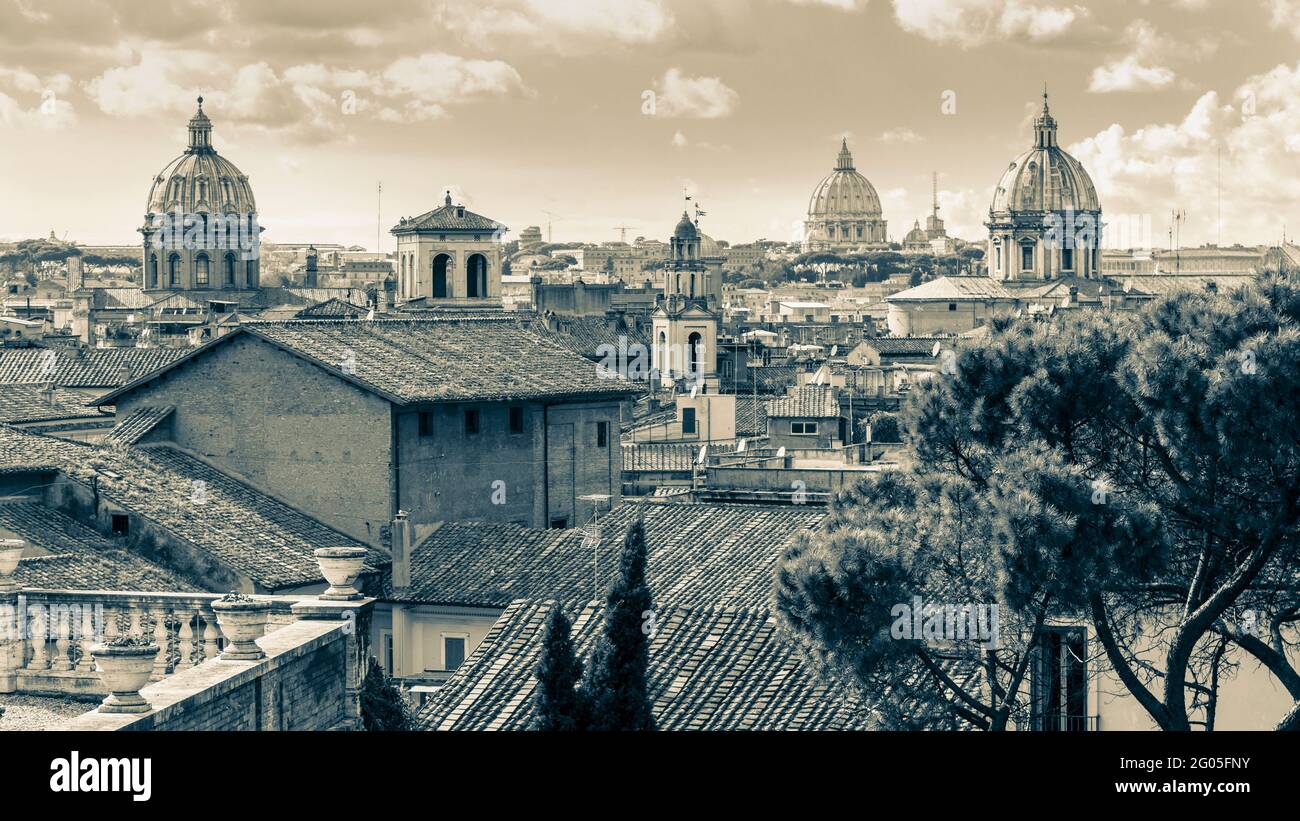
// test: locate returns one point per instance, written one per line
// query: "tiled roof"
(27, 403)
(447, 218)
(122, 298)
(431, 360)
(138, 424)
(711, 668)
(944, 289)
(244, 529)
(586, 334)
(907, 345)
(809, 402)
(655, 456)
(333, 307)
(751, 416)
(698, 554)
(774, 378)
(87, 368)
(80, 558)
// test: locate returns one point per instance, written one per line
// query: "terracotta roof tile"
(809, 402)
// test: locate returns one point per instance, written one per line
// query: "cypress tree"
(383, 708)
(615, 684)
(559, 705)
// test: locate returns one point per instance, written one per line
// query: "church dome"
(917, 234)
(685, 228)
(844, 192)
(200, 181)
(1045, 178)
(709, 247)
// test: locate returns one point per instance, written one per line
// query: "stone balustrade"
(45, 635)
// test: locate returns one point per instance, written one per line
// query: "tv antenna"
(550, 216)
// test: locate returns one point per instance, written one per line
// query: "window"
(688, 420)
(174, 270)
(803, 428)
(426, 424)
(559, 523)
(453, 651)
(516, 420)
(952, 306)
(1067, 259)
(1059, 687)
(388, 652)
(230, 270)
(602, 434)
(201, 269)
(121, 524)
(1027, 257)
(471, 421)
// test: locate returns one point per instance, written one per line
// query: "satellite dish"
(695, 389)
(935, 350)
(867, 429)
(1128, 285)
(704, 452)
(780, 452)
(740, 446)
(835, 349)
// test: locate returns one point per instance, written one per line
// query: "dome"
(685, 228)
(200, 181)
(1045, 178)
(917, 234)
(709, 247)
(844, 192)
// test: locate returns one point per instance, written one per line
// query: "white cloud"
(680, 95)
(44, 107)
(842, 5)
(1149, 171)
(1128, 74)
(900, 135)
(679, 140)
(1284, 14)
(562, 25)
(975, 22)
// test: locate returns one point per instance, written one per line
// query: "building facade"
(449, 256)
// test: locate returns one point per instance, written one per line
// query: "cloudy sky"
(602, 111)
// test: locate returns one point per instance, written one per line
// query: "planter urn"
(124, 669)
(340, 566)
(242, 621)
(11, 550)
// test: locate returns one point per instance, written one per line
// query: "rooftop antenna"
(622, 229)
(549, 217)
(935, 177)
(1176, 233)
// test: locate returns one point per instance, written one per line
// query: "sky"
(604, 112)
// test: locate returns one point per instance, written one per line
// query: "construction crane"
(622, 229)
(550, 216)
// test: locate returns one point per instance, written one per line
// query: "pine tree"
(615, 684)
(382, 706)
(559, 704)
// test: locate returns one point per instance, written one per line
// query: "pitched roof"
(697, 554)
(711, 668)
(751, 416)
(586, 335)
(655, 456)
(447, 218)
(79, 557)
(906, 345)
(27, 403)
(138, 424)
(82, 368)
(254, 534)
(332, 307)
(808, 402)
(946, 289)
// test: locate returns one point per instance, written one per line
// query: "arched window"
(696, 345)
(476, 276)
(229, 265)
(661, 355)
(201, 270)
(174, 271)
(250, 272)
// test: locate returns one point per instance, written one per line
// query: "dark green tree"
(383, 708)
(615, 684)
(559, 704)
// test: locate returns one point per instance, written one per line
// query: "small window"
(559, 523)
(121, 524)
(516, 420)
(426, 424)
(1067, 259)
(602, 434)
(453, 652)
(952, 306)
(388, 653)
(1027, 257)
(688, 420)
(803, 428)
(471, 421)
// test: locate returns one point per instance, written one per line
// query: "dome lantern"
(200, 131)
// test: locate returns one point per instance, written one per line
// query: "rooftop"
(81, 368)
(809, 402)
(28, 403)
(721, 555)
(711, 668)
(946, 289)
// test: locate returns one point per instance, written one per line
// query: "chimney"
(1074, 295)
(389, 296)
(125, 374)
(75, 277)
(400, 538)
(1212, 287)
(311, 277)
(47, 393)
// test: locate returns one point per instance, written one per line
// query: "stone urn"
(242, 620)
(340, 566)
(11, 550)
(124, 665)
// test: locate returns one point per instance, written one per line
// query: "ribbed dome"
(709, 247)
(917, 234)
(1045, 178)
(201, 181)
(844, 192)
(685, 228)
